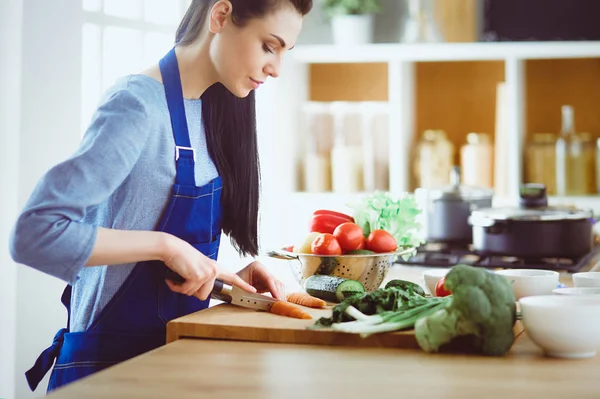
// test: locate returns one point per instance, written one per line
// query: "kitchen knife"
(232, 294)
(237, 296)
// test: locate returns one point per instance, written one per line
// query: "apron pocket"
(210, 249)
(193, 216)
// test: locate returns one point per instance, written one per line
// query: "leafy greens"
(396, 215)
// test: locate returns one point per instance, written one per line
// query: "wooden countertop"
(197, 368)
(208, 368)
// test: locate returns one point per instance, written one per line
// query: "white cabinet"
(282, 127)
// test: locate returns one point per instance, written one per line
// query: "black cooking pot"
(533, 230)
(446, 210)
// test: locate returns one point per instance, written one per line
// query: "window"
(120, 37)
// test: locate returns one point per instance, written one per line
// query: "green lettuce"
(398, 215)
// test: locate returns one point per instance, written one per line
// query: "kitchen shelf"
(382, 52)
(340, 200)
(394, 74)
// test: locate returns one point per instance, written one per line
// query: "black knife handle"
(177, 279)
(217, 286)
(173, 276)
(166, 272)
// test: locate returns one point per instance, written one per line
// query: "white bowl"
(432, 277)
(587, 279)
(528, 282)
(565, 326)
(577, 291)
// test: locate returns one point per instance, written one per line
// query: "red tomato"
(326, 244)
(333, 213)
(349, 235)
(381, 241)
(325, 223)
(440, 290)
(362, 244)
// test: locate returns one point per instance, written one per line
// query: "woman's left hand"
(256, 275)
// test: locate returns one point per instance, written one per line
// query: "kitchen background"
(490, 86)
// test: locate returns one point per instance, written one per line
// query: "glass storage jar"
(589, 156)
(540, 161)
(316, 159)
(571, 172)
(434, 159)
(347, 160)
(597, 166)
(477, 160)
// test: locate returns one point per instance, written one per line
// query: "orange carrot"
(283, 308)
(301, 298)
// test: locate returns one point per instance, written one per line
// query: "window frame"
(92, 82)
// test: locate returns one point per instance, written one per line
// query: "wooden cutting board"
(230, 322)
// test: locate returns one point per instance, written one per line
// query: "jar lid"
(544, 138)
(586, 136)
(478, 138)
(434, 134)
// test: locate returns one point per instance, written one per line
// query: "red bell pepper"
(333, 213)
(323, 223)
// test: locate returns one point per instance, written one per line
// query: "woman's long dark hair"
(230, 126)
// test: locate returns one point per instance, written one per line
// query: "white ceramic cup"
(528, 282)
(432, 277)
(586, 279)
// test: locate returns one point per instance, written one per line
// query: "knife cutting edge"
(232, 294)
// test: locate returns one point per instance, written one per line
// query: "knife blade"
(237, 296)
(230, 293)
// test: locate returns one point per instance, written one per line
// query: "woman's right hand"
(198, 270)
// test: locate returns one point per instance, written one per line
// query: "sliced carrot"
(283, 308)
(301, 298)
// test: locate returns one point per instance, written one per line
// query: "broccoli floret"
(479, 318)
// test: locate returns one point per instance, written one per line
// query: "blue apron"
(134, 321)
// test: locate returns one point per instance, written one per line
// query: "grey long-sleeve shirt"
(120, 177)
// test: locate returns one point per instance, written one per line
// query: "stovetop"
(442, 255)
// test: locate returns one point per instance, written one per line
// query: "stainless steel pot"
(446, 210)
(533, 230)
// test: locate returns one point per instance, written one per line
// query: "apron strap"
(185, 155)
(46, 359)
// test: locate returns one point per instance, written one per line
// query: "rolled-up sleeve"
(50, 234)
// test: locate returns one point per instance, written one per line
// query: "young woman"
(168, 162)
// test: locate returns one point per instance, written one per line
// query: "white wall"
(49, 121)
(317, 29)
(10, 71)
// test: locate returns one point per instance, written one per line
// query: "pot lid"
(463, 192)
(550, 213)
(457, 191)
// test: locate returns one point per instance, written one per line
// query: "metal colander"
(369, 269)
